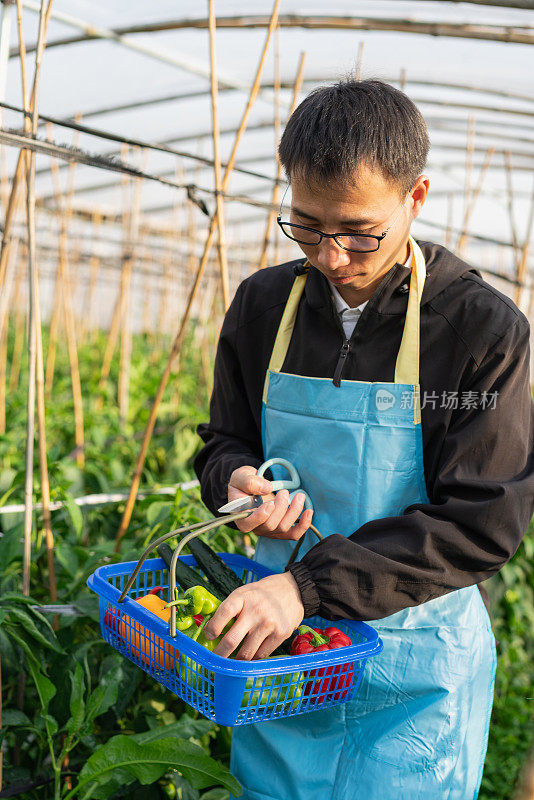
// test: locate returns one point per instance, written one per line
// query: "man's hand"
(274, 519)
(266, 611)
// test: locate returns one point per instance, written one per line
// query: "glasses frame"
(377, 237)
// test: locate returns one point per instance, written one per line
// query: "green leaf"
(184, 728)
(157, 511)
(23, 618)
(75, 514)
(13, 717)
(77, 703)
(105, 694)
(215, 794)
(45, 688)
(122, 760)
(67, 558)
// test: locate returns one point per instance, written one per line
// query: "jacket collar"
(391, 295)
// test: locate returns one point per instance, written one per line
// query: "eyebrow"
(351, 223)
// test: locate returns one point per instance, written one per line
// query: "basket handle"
(200, 526)
(194, 530)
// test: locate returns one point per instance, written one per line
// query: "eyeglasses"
(353, 242)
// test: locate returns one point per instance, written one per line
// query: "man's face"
(370, 205)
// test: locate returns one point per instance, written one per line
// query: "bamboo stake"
(112, 340)
(4, 329)
(18, 342)
(94, 267)
(468, 164)
(510, 204)
(221, 242)
(3, 364)
(275, 197)
(450, 219)
(522, 266)
(62, 278)
(470, 207)
(43, 455)
(131, 230)
(277, 81)
(35, 302)
(30, 209)
(19, 170)
(70, 326)
(359, 62)
(177, 345)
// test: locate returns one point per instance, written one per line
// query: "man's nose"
(331, 255)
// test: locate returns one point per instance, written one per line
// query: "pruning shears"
(254, 501)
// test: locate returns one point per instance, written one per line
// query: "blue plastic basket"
(227, 691)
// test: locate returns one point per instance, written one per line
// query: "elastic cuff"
(307, 588)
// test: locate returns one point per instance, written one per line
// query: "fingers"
(234, 637)
(267, 647)
(246, 480)
(257, 518)
(298, 530)
(228, 609)
(280, 524)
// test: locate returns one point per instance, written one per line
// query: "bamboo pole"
(64, 207)
(70, 326)
(30, 209)
(522, 265)
(462, 240)
(177, 345)
(19, 170)
(510, 205)
(4, 330)
(43, 454)
(359, 62)
(18, 342)
(38, 341)
(498, 33)
(131, 230)
(450, 219)
(221, 241)
(277, 88)
(468, 165)
(275, 197)
(94, 267)
(115, 327)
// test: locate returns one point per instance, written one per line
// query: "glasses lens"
(302, 235)
(360, 244)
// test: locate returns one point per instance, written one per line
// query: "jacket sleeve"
(480, 506)
(231, 437)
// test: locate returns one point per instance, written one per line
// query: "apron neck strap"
(407, 364)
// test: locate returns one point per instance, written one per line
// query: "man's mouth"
(340, 280)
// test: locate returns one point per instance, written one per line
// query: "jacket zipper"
(341, 360)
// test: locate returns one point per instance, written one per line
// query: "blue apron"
(418, 726)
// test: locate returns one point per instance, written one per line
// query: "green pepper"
(202, 601)
(184, 623)
(195, 600)
(276, 691)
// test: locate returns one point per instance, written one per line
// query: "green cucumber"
(186, 577)
(218, 574)
(221, 579)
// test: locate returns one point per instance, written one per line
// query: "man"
(396, 380)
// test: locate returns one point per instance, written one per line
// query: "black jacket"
(478, 462)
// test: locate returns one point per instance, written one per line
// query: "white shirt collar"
(342, 305)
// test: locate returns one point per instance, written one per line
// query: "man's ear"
(419, 194)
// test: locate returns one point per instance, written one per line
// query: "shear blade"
(241, 504)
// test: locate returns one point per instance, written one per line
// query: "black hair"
(338, 127)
